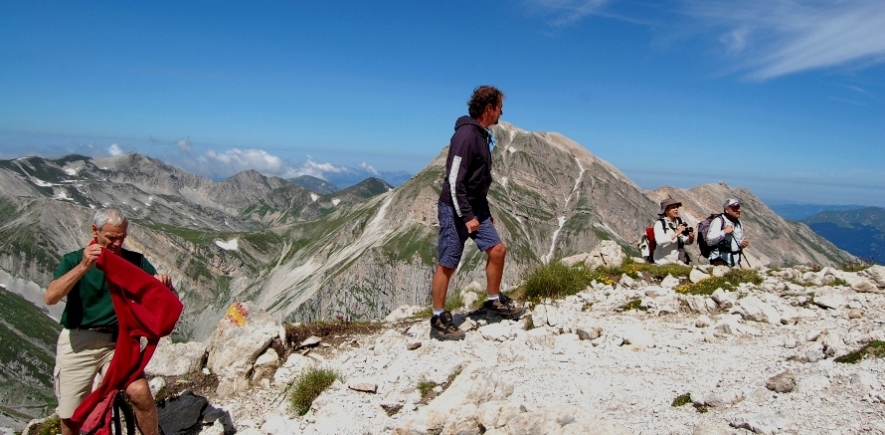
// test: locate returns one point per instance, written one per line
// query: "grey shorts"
(81, 354)
(453, 234)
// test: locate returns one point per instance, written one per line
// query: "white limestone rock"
(752, 308)
(402, 312)
(156, 385)
(501, 331)
(720, 271)
(295, 365)
(243, 335)
(764, 423)
(607, 254)
(696, 276)
(828, 297)
(669, 282)
(266, 365)
(176, 359)
(562, 419)
(575, 259)
(726, 300)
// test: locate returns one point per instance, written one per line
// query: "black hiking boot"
(442, 328)
(503, 307)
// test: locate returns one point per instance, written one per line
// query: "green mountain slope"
(860, 232)
(27, 356)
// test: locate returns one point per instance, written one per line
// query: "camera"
(687, 231)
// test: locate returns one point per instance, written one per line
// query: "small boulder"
(783, 382)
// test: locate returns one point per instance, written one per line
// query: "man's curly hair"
(482, 97)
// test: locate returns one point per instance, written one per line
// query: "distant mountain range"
(860, 231)
(346, 176)
(315, 184)
(796, 212)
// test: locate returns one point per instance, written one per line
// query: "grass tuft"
(875, 349)
(426, 387)
(634, 304)
(857, 265)
(556, 280)
(52, 426)
(728, 282)
(309, 386)
(684, 399)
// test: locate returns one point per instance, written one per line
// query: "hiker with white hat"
(671, 234)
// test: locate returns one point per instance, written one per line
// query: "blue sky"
(786, 98)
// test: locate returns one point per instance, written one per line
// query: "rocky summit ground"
(761, 359)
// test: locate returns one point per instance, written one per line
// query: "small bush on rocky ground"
(875, 349)
(555, 280)
(729, 282)
(426, 387)
(684, 399)
(309, 386)
(52, 426)
(634, 304)
(857, 265)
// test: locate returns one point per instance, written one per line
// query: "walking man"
(464, 211)
(86, 343)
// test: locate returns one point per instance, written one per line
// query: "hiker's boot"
(442, 328)
(503, 307)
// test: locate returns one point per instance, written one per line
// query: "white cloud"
(235, 160)
(563, 13)
(115, 150)
(368, 168)
(316, 169)
(778, 37)
(184, 144)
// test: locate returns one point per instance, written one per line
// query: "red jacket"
(146, 309)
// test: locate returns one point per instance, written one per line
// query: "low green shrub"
(309, 386)
(52, 426)
(857, 265)
(875, 349)
(426, 387)
(684, 399)
(556, 280)
(728, 282)
(633, 304)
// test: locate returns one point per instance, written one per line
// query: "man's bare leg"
(495, 268)
(69, 428)
(440, 285)
(143, 404)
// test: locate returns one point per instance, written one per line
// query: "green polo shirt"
(89, 302)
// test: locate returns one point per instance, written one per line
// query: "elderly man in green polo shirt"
(86, 343)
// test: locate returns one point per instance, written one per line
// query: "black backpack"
(703, 227)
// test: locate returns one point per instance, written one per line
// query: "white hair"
(109, 215)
